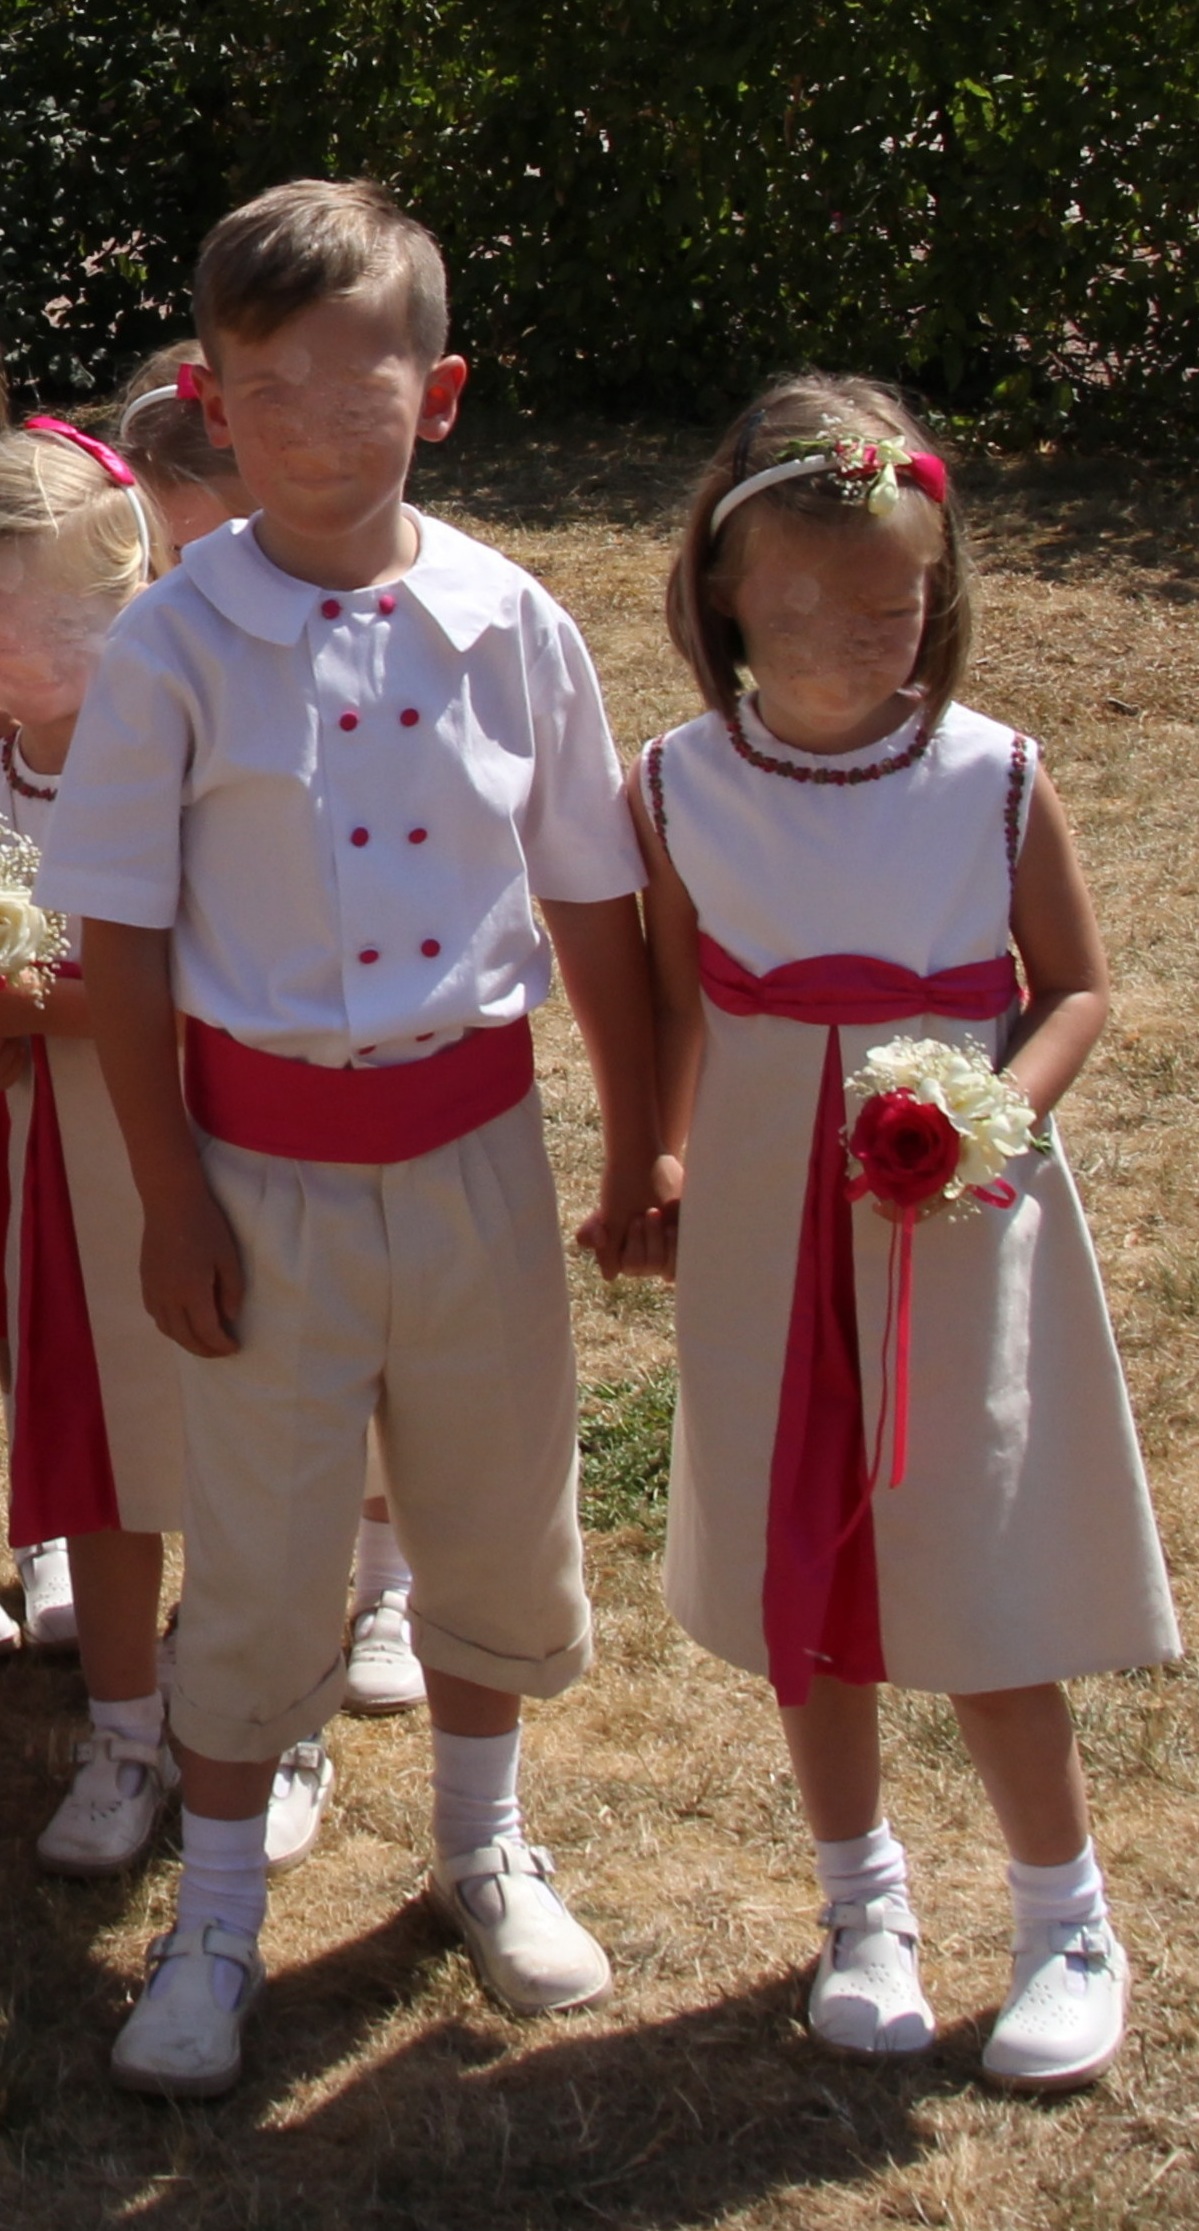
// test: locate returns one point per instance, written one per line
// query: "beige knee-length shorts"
(433, 1293)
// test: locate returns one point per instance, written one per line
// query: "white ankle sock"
(474, 1790)
(379, 1564)
(863, 1867)
(1070, 1893)
(223, 1880)
(136, 1719)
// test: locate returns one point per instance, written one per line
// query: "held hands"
(192, 1280)
(633, 1231)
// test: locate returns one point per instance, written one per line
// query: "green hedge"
(650, 206)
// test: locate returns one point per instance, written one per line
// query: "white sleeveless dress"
(1021, 1545)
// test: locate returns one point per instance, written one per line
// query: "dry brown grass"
(382, 2089)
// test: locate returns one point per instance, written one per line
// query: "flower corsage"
(935, 1122)
(33, 942)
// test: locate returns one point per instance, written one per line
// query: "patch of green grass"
(624, 1436)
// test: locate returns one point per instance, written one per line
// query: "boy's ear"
(439, 404)
(212, 403)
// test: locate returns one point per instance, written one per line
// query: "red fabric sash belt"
(820, 1592)
(61, 1467)
(306, 1113)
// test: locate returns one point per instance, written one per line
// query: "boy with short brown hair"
(326, 768)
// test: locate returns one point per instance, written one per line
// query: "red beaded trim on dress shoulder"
(842, 778)
(1017, 777)
(17, 781)
(657, 796)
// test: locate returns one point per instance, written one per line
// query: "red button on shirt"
(431, 947)
(417, 836)
(331, 609)
(348, 721)
(363, 1051)
(387, 605)
(409, 717)
(360, 836)
(369, 953)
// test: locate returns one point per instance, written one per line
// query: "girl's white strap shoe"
(866, 1996)
(1062, 2022)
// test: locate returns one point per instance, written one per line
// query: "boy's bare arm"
(191, 1275)
(601, 954)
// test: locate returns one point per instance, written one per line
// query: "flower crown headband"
(118, 471)
(185, 390)
(862, 471)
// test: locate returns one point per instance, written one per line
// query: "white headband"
(864, 470)
(152, 395)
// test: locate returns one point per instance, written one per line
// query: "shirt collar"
(462, 585)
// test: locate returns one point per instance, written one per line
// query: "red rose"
(908, 1149)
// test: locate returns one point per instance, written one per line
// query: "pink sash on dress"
(820, 1592)
(60, 1465)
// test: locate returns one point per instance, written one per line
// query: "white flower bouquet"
(936, 1120)
(33, 942)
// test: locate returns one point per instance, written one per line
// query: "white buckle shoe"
(101, 1828)
(528, 1950)
(179, 2042)
(383, 1675)
(1062, 2022)
(300, 1792)
(49, 1606)
(866, 1996)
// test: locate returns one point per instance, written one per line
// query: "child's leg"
(1063, 2019)
(124, 1770)
(866, 1997)
(384, 1674)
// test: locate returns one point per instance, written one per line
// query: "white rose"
(22, 932)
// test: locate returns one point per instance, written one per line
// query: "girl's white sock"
(223, 1880)
(1071, 1893)
(863, 1867)
(474, 1790)
(136, 1719)
(379, 1564)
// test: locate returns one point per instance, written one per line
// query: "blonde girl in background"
(838, 857)
(94, 1433)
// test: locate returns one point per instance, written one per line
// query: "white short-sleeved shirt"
(343, 803)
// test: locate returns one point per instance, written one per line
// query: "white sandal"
(101, 1828)
(1062, 2022)
(866, 1997)
(179, 2042)
(528, 1950)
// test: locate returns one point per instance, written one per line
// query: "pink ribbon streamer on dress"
(821, 1482)
(61, 1465)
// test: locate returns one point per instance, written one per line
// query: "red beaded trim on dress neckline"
(17, 781)
(843, 778)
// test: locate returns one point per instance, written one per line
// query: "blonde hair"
(165, 441)
(60, 510)
(309, 242)
(708, 567)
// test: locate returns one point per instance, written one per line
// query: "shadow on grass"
(474, 2124)
(1058, 516)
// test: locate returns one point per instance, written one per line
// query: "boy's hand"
(192, 1280)
(633, 1229)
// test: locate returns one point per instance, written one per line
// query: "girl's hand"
(14, 1060)
(645, 1203)
(192, 1280)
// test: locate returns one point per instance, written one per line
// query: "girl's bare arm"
(1057, 937)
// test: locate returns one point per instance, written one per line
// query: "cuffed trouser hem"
(244, 1742)
(442, 1652)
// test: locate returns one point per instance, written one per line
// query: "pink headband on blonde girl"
(185, 390)
(118, 471)
(865, 472)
